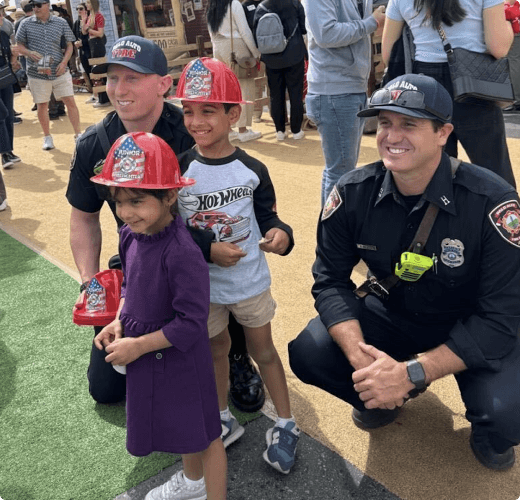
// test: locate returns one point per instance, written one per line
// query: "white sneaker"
(280, 136)
(91, 100)
(101, 104)
(257, 119)
(233, 135)
(48, 143)
(177, 489)
(250, 135)
(299, 135)
(3, 206)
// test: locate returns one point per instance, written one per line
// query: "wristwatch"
(84, 286)
(417, 377)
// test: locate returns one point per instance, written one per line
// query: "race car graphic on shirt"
(226, 228)
(208, 216)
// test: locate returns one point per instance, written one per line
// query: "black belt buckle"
(377, 288)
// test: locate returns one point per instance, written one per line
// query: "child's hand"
(277, 241)
(109, 334)
(226, 254)
(123, 351)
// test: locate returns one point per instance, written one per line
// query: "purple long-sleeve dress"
(172, 403)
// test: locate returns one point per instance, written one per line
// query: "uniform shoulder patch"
(333, 202)
(505, 218)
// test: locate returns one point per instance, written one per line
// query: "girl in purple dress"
(172, 401)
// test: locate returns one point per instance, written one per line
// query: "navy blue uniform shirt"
(475, 286)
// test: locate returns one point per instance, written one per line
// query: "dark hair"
(228, 106)
(28, 8)
(281, 7)
(437, 125)
(215, 13)
(447, 12)
(160, 194)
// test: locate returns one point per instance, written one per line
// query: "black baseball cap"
(419, 96)
(138, 54)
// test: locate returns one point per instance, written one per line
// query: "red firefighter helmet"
(101, 299)
(141, 160)
(209, 80)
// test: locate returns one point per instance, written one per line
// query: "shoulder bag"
(475, 74)
(243, 67)
(7, 77)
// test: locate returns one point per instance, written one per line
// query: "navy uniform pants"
(492, 399)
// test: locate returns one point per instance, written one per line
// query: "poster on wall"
(189, 11)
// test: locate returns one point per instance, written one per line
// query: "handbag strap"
(233, 57)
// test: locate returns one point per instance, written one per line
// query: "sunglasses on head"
(411, 99)
(80, 8)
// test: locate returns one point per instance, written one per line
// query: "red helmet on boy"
(209, 80)
(141, 160)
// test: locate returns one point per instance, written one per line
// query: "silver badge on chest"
(452, 252)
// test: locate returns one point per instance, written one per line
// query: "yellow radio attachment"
(412, 266)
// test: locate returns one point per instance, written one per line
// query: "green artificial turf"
(56, 443)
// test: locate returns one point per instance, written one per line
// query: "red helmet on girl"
(141, 160)
(209, 80)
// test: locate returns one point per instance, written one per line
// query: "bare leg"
(212, 464)
(192, 465)
(220, 346)
(215, 470)
(43, 117)
(262, 350)
(73, 113)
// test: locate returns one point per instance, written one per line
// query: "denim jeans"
(340, 130)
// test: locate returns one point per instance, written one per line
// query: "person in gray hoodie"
(339, 65)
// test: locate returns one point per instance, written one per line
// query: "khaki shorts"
(254, 313)
(41, 90)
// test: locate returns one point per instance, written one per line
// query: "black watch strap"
(83, 286)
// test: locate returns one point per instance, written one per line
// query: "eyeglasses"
(411, 99)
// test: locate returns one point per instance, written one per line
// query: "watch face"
(416, 374)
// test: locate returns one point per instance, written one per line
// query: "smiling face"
(409, 145)
(136, 97)
(144, 213)
(209, 124)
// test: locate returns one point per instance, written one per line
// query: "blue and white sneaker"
(231, 431)
(281, 446)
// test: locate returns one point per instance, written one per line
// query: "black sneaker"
(16, 113)
(13, 157)
(6, 161)
(247, 388)
(17, 120)
(373, 419)
(487, 456)
(34, 108)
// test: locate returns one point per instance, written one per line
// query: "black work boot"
(373, 419)
(486, 454)
(247, 388)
